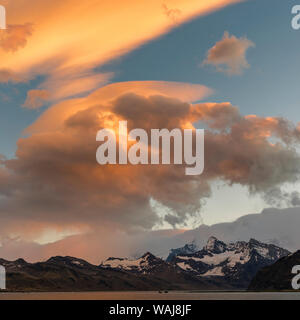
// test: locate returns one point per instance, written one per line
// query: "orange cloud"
(73, 82)
(35, 99)
(80, 35)
(229, 54)
(15, 37)
(172, 14)
(55, 179)
(7, 75)
(55, 117)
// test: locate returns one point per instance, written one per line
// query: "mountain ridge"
(214, 267)
(236, 263)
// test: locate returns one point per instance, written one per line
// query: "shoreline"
(150, 295)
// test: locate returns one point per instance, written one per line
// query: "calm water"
(173, 295)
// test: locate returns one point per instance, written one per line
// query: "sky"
(69, 68)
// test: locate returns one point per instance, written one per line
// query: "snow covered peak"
(148, 256)
(236, 261)
(146, 263)
(189, 248)
(267, 251)
(211, 242)
(215, 245)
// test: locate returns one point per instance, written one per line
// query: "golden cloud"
(15, 37)
(55, 179)
(36, 98)
(72, 37)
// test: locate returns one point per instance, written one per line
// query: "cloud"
(68, 83)
(69, 45)
(7, 75)
(229, 54)
(277, 197)
(173, 14)
(15, 37)
(57, 114)
(277, 226)
(95, 246)
(36, 98)
(54, 180)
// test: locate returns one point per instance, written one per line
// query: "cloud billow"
(36, 99)
(229, 55)
(15, 37)
(55, 179)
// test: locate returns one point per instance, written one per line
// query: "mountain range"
(233, 265)
(72, 274)
(217, 266)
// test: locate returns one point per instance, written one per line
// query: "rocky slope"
(72, 274)
(277, 276)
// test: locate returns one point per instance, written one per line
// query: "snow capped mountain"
(216, 266)
(145, 264)
(73, 274)
(214, 245)
(236, 262)
(187, 249)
